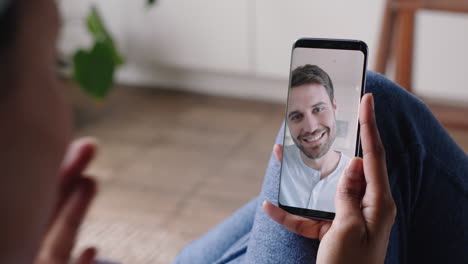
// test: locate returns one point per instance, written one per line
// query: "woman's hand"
(76, 192)
(365, 210)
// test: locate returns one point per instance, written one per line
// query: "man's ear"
(335, 106)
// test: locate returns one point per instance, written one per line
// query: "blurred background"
(187, 130)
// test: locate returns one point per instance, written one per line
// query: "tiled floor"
(173, 165)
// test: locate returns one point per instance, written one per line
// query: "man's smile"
(313, 138)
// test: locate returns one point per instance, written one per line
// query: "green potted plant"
(93, 69)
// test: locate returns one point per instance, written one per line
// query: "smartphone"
(321, 132)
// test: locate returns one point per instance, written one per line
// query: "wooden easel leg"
(404, 48)
(385, 40)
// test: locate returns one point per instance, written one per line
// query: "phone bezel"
(322, 43)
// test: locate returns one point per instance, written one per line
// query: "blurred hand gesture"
(76, 191)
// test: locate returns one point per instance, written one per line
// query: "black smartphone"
(321, 132)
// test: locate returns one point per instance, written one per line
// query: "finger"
(87, 257)
(60, 239)
(78, 156)
(310, 228)
(378, 206)
(278, 152)
(375, 169)
(350, 191)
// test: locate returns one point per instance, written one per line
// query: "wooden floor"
(172, 165)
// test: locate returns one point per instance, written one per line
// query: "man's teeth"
(314, 138)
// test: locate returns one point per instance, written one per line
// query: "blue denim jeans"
(428, 174)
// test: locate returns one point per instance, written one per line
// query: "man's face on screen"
(311, 119)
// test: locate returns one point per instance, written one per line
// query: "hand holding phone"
(321, 123)
(365, 210)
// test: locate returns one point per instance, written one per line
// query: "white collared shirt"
(301, 185)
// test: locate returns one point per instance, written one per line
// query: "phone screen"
(321, 132)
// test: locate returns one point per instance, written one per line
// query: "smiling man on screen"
(310, 169)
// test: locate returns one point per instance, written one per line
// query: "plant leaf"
(100, 33)
(150, 2)
(94, 69)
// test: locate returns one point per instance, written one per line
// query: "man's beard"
(325, 147)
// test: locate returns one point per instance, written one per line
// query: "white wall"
(242, 48)
(279, 23)
(441, 56)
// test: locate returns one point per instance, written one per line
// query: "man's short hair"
(312, 74)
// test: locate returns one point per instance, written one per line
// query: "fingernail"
(90, 140)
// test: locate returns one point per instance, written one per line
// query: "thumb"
(350, 190)
(278, 152)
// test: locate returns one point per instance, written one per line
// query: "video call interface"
(321, 125)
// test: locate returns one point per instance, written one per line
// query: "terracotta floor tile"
(168, 167)
(128, 130)
(134, 204)
(201, 213)
(202, 139)
(129, 243)
(112, 156)
(220, 119)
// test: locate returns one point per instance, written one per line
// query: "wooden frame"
(396, 41)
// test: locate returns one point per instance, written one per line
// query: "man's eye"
(319, 109)
(296, 117)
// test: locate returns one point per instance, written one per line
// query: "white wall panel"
(204, 34)
(253, 39)
(279, 23)
(441, 56)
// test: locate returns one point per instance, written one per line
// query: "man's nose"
(310, 123)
